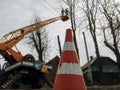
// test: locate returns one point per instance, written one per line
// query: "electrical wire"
(52, 7)
(42, 4)
(47, 7)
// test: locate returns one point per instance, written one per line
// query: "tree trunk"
(96, 47)
(75, 42)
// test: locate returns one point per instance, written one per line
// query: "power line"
(42, 4)
(47, 7)
(52, 7)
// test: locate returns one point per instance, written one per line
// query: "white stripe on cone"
(69, 46)
(69, 68)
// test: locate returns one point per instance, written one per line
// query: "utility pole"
(59, 44)
(89, 67)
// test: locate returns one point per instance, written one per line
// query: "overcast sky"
(15, 14)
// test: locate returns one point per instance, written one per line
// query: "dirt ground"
(109, 87)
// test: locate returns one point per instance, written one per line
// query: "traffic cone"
(69, 74)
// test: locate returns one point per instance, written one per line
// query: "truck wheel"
(29, 58)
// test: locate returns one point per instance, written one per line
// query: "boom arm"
(11, 39)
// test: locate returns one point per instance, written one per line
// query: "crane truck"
(20, 65)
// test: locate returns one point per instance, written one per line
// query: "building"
(103, 71)
(52, 73)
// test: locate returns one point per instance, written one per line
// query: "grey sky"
(18, 13)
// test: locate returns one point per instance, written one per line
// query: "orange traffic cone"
(69, 74)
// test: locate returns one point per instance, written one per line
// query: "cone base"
(69, 82)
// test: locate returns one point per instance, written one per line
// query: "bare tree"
(71, 11)
(90, 8)
(111, 30)
(39, 40)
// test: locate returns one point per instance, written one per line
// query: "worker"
(62, 12)
(66, 12)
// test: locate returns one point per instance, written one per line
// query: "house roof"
(104, 60)
(55, 59)
(89, 63)
(52, 73)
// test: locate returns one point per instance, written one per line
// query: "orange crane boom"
(11, 39)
